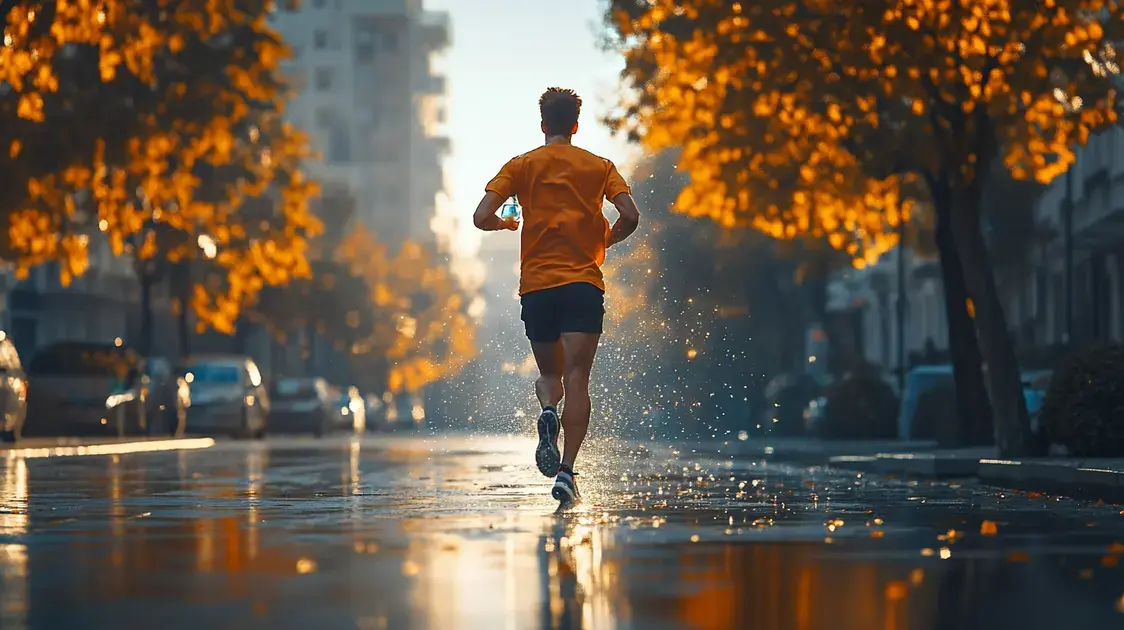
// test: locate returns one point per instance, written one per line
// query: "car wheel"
(259, 433)
(243, 430)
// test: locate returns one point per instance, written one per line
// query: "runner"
(565, 234)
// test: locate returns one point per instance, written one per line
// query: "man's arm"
(485, 216)
(628, 220)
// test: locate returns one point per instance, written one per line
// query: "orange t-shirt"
(560, 188)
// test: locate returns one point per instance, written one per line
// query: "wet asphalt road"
(461, 533)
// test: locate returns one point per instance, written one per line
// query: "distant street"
(459, 532)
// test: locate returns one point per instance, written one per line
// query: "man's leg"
(540, 316)
(548, 386)
(548, 389)
(578, 350)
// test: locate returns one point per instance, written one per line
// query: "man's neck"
(558, 139)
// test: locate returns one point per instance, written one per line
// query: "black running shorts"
(578, 307)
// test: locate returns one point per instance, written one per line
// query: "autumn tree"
(160, 124)
(800, 115)
(420, 331)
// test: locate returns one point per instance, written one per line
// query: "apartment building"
(370, 100)
(1068, 291)
(100, 306)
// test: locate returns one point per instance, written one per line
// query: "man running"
(562, 291)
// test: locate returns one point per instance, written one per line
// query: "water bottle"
(511, 210)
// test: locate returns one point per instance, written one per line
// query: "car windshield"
(294, 389)
(83, 360)
(212, 373)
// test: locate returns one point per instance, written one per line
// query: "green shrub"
(861, 407)
(1084, 406)
(937, 417)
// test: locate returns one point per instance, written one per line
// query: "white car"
(227, 396)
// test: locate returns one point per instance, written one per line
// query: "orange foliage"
(808, 118)
(421, 324)
(204, 140)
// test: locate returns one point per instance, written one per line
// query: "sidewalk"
(941, 464)
(1095, 479)
(34, 448)
(806, 451)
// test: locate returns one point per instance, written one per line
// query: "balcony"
(435, 30)
(430, 84)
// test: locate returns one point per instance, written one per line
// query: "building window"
(324, 79)
(339, 145)
(389, 41)
(320, 39)
(364, 46)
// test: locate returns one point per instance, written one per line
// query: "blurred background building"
(1061, 280)
(367, 95)
(373, 106)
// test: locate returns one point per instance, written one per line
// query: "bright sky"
(504, 54)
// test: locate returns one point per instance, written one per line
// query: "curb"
(810, 452)
(76, 448)
(910, 464)
(1089, 479)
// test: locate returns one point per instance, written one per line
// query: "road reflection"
(13, 552)
(352, 534)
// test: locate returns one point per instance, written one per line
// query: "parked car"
(167, 399)
(375, 412)
(1035, 385)
(352, 410)
(923, 378)
(227, 396)
(304, 405)
(13, 391)
(81, 388)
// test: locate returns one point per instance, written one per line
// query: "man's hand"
(485, 216)
(493, 223)
(628, 220)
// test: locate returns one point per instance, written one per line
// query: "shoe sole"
(547, 457)
(562, 494)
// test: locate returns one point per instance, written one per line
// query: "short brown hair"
(560, 108)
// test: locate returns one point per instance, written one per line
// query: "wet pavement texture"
(461, 532)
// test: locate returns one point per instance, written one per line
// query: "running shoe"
(547, 456)
(565, 488)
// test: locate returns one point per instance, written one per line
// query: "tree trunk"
(972, 402)
(1004, 381)
(309, 350)
(240, 334)
(182, 281)
(146, 280)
